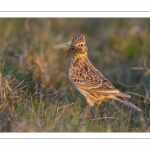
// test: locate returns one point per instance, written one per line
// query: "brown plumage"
(88, 80)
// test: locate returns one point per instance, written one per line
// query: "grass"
(35, 93)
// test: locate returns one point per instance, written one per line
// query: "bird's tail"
(123, 100)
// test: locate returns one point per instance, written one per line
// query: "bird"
(88, 80)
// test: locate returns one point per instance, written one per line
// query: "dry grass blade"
(138, 95)
(20, 91)
(142, 68)
(8, 91)
(119, 111)
(20, 83)
(62, 45)
(8, 77)
(36, 91)
(145, 65)
(64, 106)
(103, 118)
(129, 86)
(7, 88)
(53, 93)
(137, 68)
(22, 87)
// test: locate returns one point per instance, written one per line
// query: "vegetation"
(35, 93)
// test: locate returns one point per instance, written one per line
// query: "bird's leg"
(98, 104)
(87, 110)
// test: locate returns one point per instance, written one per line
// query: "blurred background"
(35, 93)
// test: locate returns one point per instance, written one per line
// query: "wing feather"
(89, 79)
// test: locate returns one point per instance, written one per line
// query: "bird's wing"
(94, 82)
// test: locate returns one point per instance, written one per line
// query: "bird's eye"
(81, 44)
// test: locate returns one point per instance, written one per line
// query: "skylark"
(88, 80)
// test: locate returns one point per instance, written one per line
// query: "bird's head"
(78, 46)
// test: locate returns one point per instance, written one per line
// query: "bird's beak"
(71, 47)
